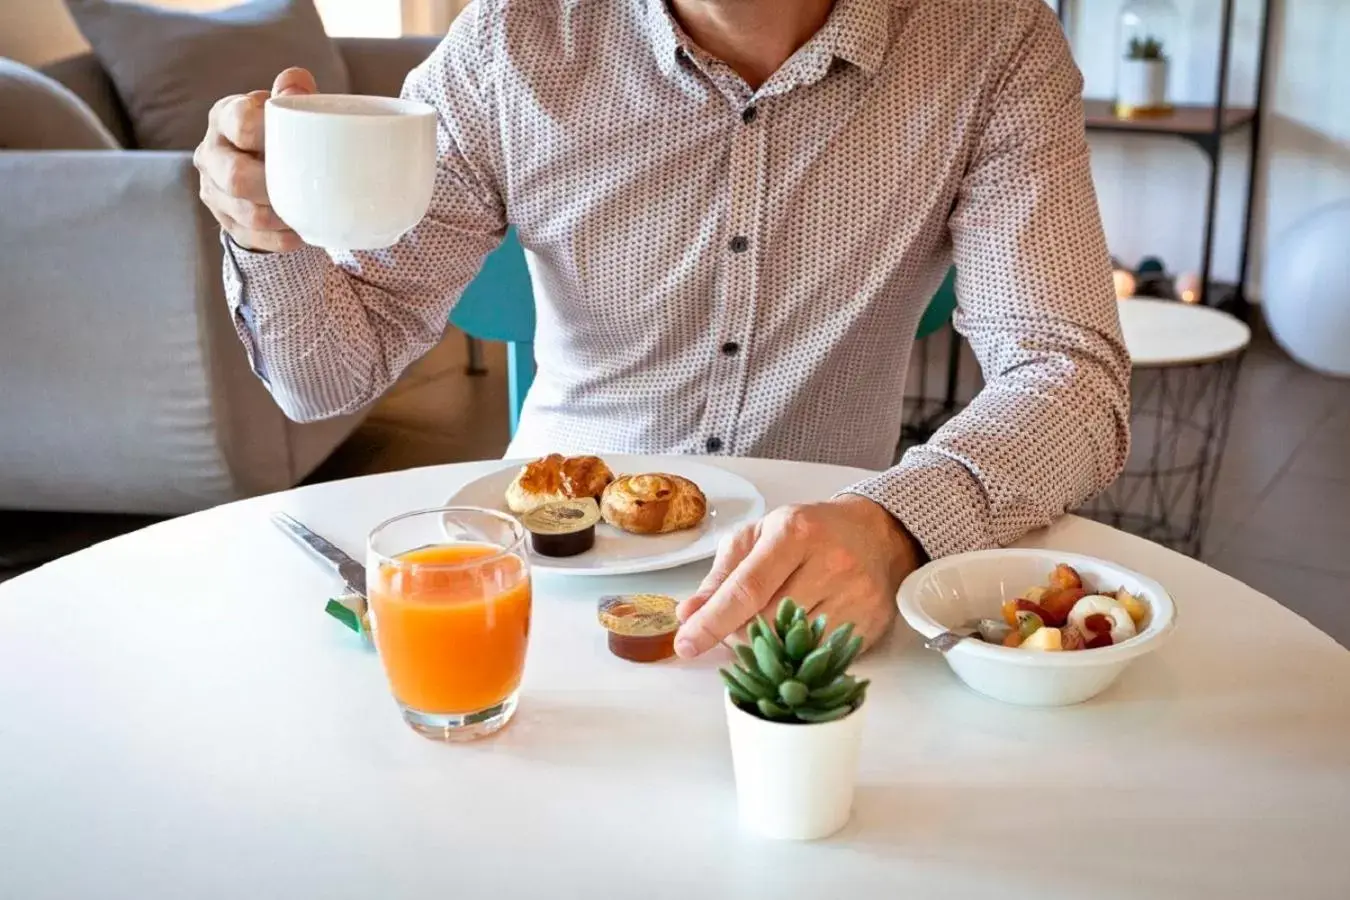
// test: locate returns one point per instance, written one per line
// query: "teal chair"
(499, 306)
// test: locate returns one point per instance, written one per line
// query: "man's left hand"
(844, 558)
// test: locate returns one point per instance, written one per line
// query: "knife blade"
(352, 573)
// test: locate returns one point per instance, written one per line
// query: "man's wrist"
(907, 554)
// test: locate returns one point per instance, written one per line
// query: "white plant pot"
(1142, 87)
(794, 782)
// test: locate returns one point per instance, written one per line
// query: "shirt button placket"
(728, 369)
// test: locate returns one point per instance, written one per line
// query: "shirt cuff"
(250, 276)
(936, 499)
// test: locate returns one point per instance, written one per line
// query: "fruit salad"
(1065, 614)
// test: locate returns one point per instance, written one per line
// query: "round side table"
(1186, 364)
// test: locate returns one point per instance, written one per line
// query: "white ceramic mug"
(349, 172)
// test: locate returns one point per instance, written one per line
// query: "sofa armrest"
(380, 65)
(119, 371)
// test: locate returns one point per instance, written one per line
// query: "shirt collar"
(861, 32)
(857, 32)
(665, 36)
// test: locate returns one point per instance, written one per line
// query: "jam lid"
(562, 517)
(638, 615)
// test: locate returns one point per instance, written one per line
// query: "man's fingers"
(232, 173)
(729, 556)
(809, 587)
(239, 121)
(262, 241)
(751, 586)
(234, 179)
(864, 616)
(294, 81)
(217, 110)
(253, 216)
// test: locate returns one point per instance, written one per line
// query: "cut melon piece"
(1133, 605)
(1045, 639)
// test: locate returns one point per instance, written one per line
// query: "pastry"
(565, 528)
(653, 503)
(555, 478)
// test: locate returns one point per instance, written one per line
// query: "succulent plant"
(1145, 48)
(791, 672)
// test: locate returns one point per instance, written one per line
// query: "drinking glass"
(450, 615)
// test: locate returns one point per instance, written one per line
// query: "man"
(739, 210)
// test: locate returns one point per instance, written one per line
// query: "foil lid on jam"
(641, 626)
(564, 528)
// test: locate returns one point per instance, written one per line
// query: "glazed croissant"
(556, 477)
(653, 504)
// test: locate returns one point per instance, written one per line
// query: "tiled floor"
(1281, 517)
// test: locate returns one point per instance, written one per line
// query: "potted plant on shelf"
(1148, 29)
(795, 718)
(1143, 80)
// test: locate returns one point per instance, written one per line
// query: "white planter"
(794, 782)
(1142, 87)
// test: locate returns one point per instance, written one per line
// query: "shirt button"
(749, 114)
(740, 243)
(731, 348)
(714, 444)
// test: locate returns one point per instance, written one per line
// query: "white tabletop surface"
(179, 719)
(1162, 333)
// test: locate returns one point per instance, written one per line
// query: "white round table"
(1186, 365)
(1165, 333)
(179, 718)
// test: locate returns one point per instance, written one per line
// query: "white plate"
(732, 501)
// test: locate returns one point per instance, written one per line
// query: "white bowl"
(948, 593)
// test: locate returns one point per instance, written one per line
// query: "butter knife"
(352, 573)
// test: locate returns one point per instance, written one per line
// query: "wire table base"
(1180, 420)
(1187, 364)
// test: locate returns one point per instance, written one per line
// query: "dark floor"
(1281, 519)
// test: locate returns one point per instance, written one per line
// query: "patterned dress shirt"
(721, 270)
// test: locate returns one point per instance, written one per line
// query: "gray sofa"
(122, 384)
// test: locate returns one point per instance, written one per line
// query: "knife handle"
(324, 551)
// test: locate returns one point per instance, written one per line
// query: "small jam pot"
(565, 528)
(641, 626)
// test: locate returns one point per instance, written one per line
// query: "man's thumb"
(294, 81)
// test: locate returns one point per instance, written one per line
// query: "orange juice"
(452, 634)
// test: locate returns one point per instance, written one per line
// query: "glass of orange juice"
(450, 614)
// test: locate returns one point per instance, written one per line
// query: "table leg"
(925, 415)
(475, 366)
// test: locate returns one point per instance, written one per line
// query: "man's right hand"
(230, 162)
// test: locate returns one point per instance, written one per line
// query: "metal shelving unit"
(1206, 126)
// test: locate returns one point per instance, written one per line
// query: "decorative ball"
(1152, 265)
(1124, 284)
(1306, 296)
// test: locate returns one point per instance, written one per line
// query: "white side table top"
(179, 719)
(1161, 333)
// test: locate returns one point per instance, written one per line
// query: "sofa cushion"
(84, 75)
(38, 113)
(170, 66)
